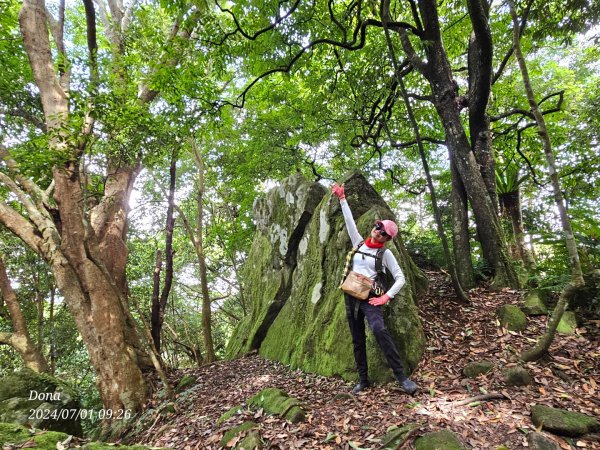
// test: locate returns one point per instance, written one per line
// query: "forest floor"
(456, 335)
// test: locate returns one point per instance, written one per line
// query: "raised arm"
(355, 236)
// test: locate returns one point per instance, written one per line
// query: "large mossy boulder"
(292, 278)
(39, 400)
(563, 422)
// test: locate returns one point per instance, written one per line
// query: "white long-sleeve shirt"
(365, 265)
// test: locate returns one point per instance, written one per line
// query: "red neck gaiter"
(372, 244)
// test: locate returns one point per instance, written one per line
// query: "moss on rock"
(308, 328)
(512, 318)
(186, 382)
(477, 368)
(537, 441)
(534, 303)
(228, 414)
(251, 442)
(567, 323)
(396, 436)
(563, 422)
(275, 401)
(438, 440)
(39, 400)
(517, 376)
(230, 434)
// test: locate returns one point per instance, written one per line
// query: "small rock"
(512, 318)
(534, 304)
(230, 413)
(250, 442)
(275, 401)
(517, 376)
(438, 440)
(186, 382)
(567, 324)
(229, 435)
(476, 368)
(537, 441)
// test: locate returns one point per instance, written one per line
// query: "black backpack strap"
(379, 260)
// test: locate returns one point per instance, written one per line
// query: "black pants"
(356, 311)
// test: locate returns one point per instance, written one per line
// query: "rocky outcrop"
(39, 400)
(292, 276)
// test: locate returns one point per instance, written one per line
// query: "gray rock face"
(292, 276)
(39, 400)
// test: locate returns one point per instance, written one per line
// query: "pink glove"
(338, 191)
(378, 301)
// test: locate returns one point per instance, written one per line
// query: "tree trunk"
(19, 339)
(438, 72)
(480, 57)
(206, 306)
(155, 315)
(95, 301)
(460, 230)
(460, 293)
(158, 308)
(511, 202)
(577, 280)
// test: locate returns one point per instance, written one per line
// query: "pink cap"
(390, 227)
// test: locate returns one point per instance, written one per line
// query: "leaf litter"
(484, 412)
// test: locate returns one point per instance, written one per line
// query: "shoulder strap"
(379, 260)
(349, 257)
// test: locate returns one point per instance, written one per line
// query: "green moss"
(12, 433)
(567, 324)
(477, 368)
(396, 436)
(512, 318)
(229, 435)
(230, 413)
(47, 440)
(18, 434)
(275, 401)
(250, 442)
(517, 376)
(534, 305)
(439, 440)
(563, 422)
(186, 382)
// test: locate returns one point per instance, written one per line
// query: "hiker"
(363, 263)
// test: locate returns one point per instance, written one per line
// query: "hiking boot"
(408, 386)
(361, 386)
